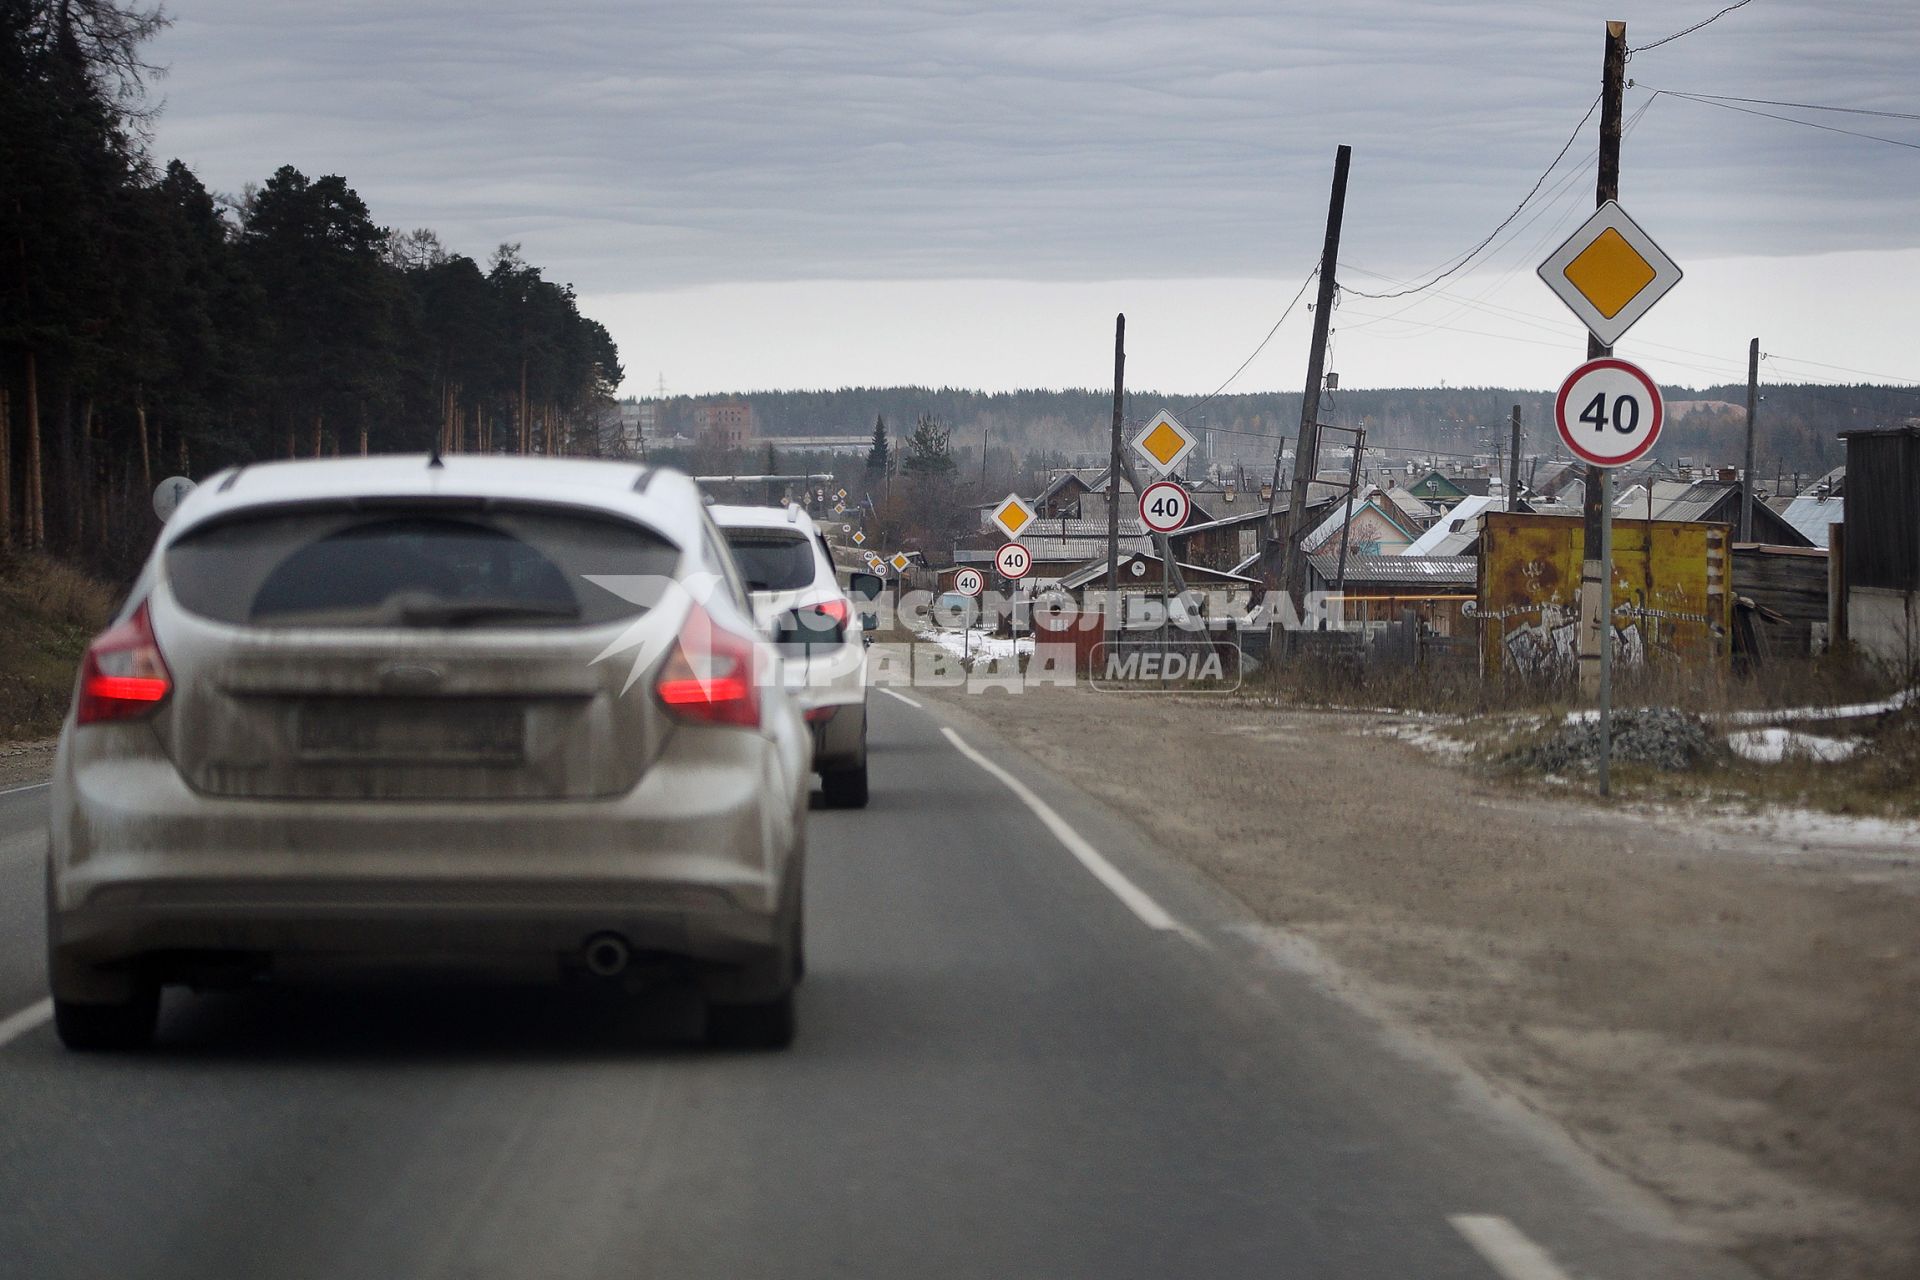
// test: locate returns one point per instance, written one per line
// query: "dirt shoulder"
(25, 763)
(1730, 1018)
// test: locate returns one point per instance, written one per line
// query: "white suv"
(789, 572)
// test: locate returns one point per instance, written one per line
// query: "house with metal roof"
(1382, 589)
(1373, 527)
(1456, 533)
(1708, 502)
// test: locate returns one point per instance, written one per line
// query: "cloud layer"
(669, 145)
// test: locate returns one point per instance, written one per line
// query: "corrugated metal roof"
(1812, 513)
(1454, 531)
(1427, 570)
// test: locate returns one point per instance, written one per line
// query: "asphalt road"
(1004, 1069)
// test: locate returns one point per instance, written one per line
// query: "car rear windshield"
(772, 561)
(498, 568)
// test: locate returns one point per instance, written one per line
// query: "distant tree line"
(1799, 424)
(149, 326)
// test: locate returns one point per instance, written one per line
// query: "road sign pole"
(1606, 629)
(1113, 473)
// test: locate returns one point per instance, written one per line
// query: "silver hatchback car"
(475, 709)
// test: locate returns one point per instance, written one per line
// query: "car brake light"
(711, 676)
(123, 676)
(823, 623)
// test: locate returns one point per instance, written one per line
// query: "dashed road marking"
(1151, 913)
(31, 786)
(1508, 1251)
(15, 1025)
(903, 697)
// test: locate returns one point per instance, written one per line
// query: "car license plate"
(409, 729)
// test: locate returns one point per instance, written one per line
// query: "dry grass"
(1496, 718)
(48, 612)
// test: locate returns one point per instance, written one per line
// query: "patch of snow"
(1429, 740)
(977, 643)
(1891, 839)
(1771, 746)
(1851, 711)
(1785, 715)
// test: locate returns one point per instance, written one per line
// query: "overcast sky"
(817, 194)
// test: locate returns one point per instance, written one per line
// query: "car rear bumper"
(692, 863)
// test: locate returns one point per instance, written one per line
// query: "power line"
(1738, 4)
(1504, 222)
(1257, 350)
(1805, 124)
(1556, 194)
(1865, 373)
(1802, 106)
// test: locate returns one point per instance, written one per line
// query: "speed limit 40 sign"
(1609, 412)
(1013, 560)
(1164, 506)
(969, 582)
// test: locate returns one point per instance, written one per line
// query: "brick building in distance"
(726, 424)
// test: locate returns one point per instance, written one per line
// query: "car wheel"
(124, 1024)
(845, 788)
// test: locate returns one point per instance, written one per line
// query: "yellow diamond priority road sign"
(899, 562)
(1012, 515)
(859, 536)
(1610, 273)
(1164, 442)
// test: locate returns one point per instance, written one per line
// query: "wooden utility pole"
(1513, 464)
(1306, 454)
(1596, 602)
(1746, 473)
(1113, 472)
(146, 452)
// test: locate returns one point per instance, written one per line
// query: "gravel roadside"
(24, 763)
(1732, 1022)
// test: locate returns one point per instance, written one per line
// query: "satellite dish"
(168, 496)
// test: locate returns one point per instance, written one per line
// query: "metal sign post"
(1606, 631)
(1609, 413)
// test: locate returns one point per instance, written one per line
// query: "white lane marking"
(1511, 1254)
(31, 786)
(1151, 913)
(903, 697)
(18, 1024)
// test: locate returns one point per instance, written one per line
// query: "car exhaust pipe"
(606, 955)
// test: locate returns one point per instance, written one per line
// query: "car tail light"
(712, 675)
(824, 622)
(818, 715)
(123, 676)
